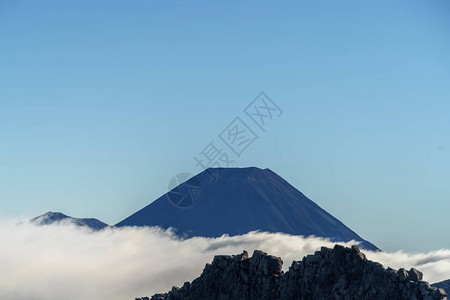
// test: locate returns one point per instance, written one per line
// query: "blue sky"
(102, 102)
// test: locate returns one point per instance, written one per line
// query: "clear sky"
(103, 102)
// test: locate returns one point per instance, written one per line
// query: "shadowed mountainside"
(236, 201)
(445, 285)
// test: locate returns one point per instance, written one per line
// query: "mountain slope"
(239, 200)
(445, 285)
(57, 217)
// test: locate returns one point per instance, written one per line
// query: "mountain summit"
(236, 201)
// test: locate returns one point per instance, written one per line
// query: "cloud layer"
(65, 262)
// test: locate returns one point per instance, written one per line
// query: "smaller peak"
(50, 216)
(54, 214)
(55, 217)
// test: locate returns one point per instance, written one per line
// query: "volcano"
(236, 201)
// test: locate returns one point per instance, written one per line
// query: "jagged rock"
(415, 275)
(338, 273)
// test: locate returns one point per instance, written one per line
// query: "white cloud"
(64, 262)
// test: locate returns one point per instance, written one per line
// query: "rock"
(267, 264)
(415, 275)
(402, 274)
(338, 273)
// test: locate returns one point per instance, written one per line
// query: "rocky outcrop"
(338, 273)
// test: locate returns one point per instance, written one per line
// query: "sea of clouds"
(65, 262)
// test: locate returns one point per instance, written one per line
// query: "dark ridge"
(338, 273)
